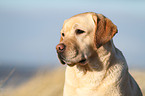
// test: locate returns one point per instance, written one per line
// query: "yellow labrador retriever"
(95, 66)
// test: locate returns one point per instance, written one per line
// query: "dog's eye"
(79, 31)
(62, 34)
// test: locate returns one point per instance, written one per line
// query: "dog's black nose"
(60, 47)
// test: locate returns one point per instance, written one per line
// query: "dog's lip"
(82, 62)
(62, 61)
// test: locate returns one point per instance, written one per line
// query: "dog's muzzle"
(61, 51)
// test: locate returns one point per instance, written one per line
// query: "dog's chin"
(81, 62)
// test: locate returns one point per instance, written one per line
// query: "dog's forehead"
(81, 19)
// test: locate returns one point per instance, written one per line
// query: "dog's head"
(82, 35)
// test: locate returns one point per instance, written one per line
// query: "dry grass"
(139, 76)
(51, 84)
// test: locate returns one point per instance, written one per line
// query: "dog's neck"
(105, 54)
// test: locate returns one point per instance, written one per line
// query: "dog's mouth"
(82, 62)
(79, 60)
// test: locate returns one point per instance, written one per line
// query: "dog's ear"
(104, 30)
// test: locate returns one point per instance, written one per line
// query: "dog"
(95, 67)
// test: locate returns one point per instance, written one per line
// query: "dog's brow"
(75, 25)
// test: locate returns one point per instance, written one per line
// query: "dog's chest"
(79, 79)
(91, 83)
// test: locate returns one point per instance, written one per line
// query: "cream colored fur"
(106, 72)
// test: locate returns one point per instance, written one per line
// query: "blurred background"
(30, 30)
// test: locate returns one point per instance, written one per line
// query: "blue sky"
(29, 29)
